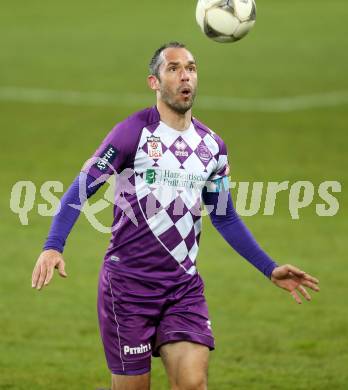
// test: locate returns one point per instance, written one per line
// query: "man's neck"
(174, 119)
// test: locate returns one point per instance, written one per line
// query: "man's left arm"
(226, 220)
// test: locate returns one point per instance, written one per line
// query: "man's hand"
(44, 268)
(291, 279)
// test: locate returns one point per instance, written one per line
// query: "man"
(151, 298)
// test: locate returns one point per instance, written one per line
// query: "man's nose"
(185, 76)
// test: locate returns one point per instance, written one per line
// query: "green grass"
(50, 340)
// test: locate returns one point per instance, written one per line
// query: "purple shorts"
(136, 317)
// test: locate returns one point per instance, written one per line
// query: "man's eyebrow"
(173, 63)
(178, 63)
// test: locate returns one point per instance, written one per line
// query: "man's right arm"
(111, 156)
(51, 256)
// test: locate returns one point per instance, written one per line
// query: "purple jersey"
(150, 292)
(157, 212)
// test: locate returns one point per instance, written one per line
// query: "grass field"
(50, 340)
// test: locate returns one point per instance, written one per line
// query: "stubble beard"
(180, 107)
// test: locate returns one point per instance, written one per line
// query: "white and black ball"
(226, 20)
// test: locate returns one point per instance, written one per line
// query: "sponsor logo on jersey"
(106, 158)
(142, 348)
(150, 176)
(180, 146)
(154, 147)
(173, 178)
(204, 153)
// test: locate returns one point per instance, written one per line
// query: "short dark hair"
(155, 62)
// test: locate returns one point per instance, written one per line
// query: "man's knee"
(132, 382)
(194, 381)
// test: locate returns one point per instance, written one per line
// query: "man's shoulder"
(126, 134)
(140, 119)
(205, 130)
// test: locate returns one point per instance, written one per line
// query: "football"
(226, 20)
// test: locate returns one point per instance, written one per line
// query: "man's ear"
(153, 82)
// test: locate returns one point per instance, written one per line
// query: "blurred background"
(68, 72)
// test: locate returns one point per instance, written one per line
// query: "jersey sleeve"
(228, 223)
(218, 179)
(68, 214)
(113, 154)
(222, 167)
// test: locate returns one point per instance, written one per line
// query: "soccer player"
(150, 299)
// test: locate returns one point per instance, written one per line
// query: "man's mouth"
(186, 92)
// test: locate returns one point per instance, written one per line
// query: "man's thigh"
(186, 364)
(184, 338)
(186, 318)
(135, 382)
(127, 328)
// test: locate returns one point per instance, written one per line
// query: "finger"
(296, 271)
(35, 276)
(304, 292)
(43, 273)
(310, 285)
(311, 278)
(296, 297)
(49, 275)
(61, 269)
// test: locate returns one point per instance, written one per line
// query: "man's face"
(177, 83)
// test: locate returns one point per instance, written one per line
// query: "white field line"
(217, 103)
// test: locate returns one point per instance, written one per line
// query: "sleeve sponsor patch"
(107, 157)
